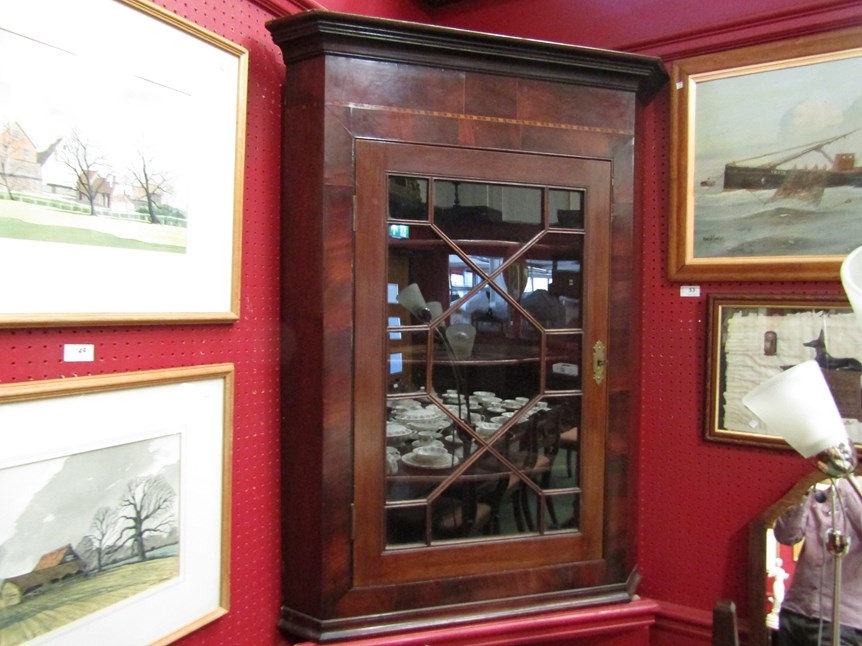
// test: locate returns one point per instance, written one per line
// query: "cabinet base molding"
(554, 621)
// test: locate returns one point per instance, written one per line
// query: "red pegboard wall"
(251, 343)
(695, 498)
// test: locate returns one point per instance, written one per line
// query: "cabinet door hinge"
(352, 521)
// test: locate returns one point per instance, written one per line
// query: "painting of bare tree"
(122, 147)
(82, 532)
(115, 505)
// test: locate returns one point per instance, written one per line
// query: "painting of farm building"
(60, 565)
(115, 513)
(51, 191)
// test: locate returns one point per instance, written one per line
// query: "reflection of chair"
(724, 630)
(533, 449)
(470, 505)
(516, 448)
(467, 508)
(570, 443)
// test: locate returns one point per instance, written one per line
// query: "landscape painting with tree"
(115, 505)
(121, 150)
(85, 531)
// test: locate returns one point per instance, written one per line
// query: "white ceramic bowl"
(396, 430)
(431, 425)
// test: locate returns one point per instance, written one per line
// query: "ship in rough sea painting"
(777, 171)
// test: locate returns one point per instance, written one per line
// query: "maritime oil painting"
(83, 532)
(768, 175)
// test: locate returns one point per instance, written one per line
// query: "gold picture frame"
(752, 196)
(753, 338)
(121, 188)
(116, 517)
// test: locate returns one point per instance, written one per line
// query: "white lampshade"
(461, 337)
(798, 406)
(851, 279)
(435, 307)
(411, 298)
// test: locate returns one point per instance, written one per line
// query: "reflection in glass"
(566, 208)
(475, 448)
(408, 200)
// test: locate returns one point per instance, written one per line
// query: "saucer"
(443, 462)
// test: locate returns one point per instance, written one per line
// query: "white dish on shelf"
(397, 432)
(444, 461)
(419, 415)
(433, 425)
(405, 404)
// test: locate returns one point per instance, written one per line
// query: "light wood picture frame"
(753, 338)
(122, 148)
(116, 511)
(766, 160)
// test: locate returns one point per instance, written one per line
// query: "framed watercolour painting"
(753, 338)
(116, 506)
(121, 186)
(766, 161)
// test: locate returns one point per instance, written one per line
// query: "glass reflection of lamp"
(460, 337)
(457, 339)
(798, 406)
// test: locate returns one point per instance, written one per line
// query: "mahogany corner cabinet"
(457, 241)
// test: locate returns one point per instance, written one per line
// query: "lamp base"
(837, 461)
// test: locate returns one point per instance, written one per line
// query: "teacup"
(427, 436)
(429, 454)
(486, 429)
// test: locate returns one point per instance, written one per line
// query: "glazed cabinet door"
(481, 346)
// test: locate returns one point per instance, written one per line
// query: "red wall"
(251, 343)
(695, 499)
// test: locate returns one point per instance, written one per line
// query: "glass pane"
(406, 525)
(566, 208)
(479, 211)
(408, 200)
(482, 321)
(563, 362)
(406, 363)
(549, 487)
(552, 294)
